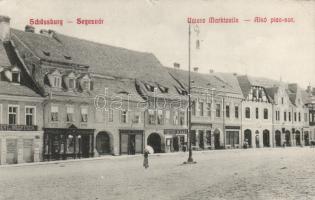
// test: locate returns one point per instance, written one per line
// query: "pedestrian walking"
(146, 159)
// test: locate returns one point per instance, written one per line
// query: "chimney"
(4, 28)
(30, 29)
(176, 65)
(44, 32)
(234, 74)
(196, 69)
(211, 71)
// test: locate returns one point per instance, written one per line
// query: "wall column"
(3, 151)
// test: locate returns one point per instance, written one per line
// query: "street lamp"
(190, 159)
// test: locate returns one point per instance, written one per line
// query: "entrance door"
(287, 138)
(266, 139)
(278, 138)
(297, 138)
(216, 140)
(175, 143)
(154, 140)
(85, 146)
(248, 137)
(103, 143)
(55, 146)
(132, 145)
(257, 139)
(201, 140)
(306, 139)
(28, 150)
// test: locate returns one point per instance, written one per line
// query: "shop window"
(29, 116)
(70, 111)
(13, 114)
(227, 111)
(54, 113)
(232, 138)
(84, 114)
(160, 117)
(124, 116)
(247, 112)
(265, 113)
(70, 144)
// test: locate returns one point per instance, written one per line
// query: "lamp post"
(190, 159)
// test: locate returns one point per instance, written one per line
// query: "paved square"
(274, 173)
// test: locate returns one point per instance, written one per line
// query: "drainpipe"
(224, 122)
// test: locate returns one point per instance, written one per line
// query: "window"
(29, 116)
(151, 116)
(193, 108)
(247, 112)
(136, 118)
(57, 82)
(257, 113)
(209, 109)
(71, 83)
(265, 113)
(54, 113)
(200, 108)
(236, 112)
(281, 100)
(299, 116)
(227, 111)
(294, 116)
(160, 117)
(86, 85)
(285, 116)
(167, 116)
(123, 116)
(84, 114)
(110, 115)
(277, 115)
(181, 118)
(13, 115)
(70, 111)
(254, 93)
(218, 110)
(260, 93)
(289, 116)
(175, 117)
(15, 76)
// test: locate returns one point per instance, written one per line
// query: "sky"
(283, 51)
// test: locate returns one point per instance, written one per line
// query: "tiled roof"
(101, 59)
(8, 88)
(271, 92)
(204, 81)
(4, 60)
(231, 79)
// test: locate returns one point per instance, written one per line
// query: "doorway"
(154, 140)
(278, 138)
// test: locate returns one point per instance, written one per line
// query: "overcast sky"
(285, 50)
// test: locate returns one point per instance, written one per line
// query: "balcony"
(13, 127)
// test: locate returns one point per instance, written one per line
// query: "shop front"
(175, 140)
(232, 136)
(131, 142)
(65, 143)
(201, 136)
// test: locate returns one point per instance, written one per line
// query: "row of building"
(62, 97)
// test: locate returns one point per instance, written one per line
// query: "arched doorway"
(297, 138)
(103, 146)
(216, 135)
(154, 140)
(257, 139)
(287, 138)
(306, 138)
(248, 137)
(278, 138)
(266, 138)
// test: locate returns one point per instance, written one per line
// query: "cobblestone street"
(227, 174)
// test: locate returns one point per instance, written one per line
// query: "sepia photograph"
(157, 100)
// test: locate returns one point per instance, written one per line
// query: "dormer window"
(15, 77)
(68, 57)
(56, 82)
(85, 83)
(163, 89)
(71, 83)
(46, 53)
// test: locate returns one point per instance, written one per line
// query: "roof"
(4, 60)
(204, 81)
(229, 78)
(100, 58)
(272, 91)
(8, 88)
